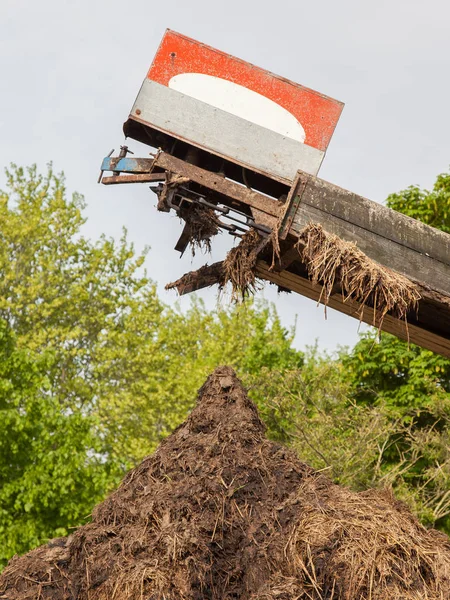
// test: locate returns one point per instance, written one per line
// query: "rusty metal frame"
(140, 178)
(148, 170)
(292, 203)
(312, 200)
(218, 184)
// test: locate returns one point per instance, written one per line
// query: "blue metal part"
(127, 165)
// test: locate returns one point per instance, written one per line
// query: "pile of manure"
(220, 512)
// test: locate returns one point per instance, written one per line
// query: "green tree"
(430, 207)
(162, 387)
(51, 467)
(94, 369)
(313, 411)
(378, 414)
(61, 296)
(411, 386)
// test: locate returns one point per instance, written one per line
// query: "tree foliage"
(383, 415)
(430, 207)
(411, 386)
(94, 369)
(377, 414)
(165, 370)
(60, 294)
(51, 467)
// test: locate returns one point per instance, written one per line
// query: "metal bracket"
(129, 170)
(139, 178)
(292, 203)
(127, 164)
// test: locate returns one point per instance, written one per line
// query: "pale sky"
(70, 72)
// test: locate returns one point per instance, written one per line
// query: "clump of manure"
(237, 270)
(332, 262)
(239, 266)
(202, 223)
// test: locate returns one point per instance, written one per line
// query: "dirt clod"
(220, 512)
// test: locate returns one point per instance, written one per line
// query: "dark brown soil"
(219, 512)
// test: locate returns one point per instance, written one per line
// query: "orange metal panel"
(178, 54)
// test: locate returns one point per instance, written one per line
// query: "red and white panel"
(235, 110)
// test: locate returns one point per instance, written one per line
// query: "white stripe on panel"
(223, 133)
